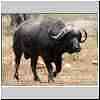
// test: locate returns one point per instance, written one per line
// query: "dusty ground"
(80, 70)
(75, 71)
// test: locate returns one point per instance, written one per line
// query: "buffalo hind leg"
(33, 66)
(17, 62)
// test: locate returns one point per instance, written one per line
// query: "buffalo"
(17, 19)
(48, 38)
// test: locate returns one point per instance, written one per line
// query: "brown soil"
(80, 71)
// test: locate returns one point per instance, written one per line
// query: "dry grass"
(79, 70)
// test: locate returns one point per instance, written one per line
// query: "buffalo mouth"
(77, 50)
(74, 51)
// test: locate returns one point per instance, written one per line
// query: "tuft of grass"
(91, 42)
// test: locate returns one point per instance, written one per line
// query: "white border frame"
(97, 86)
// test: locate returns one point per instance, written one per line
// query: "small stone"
(94, 62)
(69, 77)
(68, 65)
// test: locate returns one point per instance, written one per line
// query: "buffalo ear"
(55, 29)
(62, 32)
(58, 35)
(51, 31)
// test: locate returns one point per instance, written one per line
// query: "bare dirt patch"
(76, 70)
(80, 69)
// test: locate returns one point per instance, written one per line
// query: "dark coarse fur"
(35, 39)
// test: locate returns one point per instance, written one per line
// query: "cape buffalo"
(48, 38)
(17, 19)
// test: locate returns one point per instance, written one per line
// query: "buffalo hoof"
(16, 76)
(37, 79)
(54, 74)
(50, 81)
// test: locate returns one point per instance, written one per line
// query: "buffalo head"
(71, 37)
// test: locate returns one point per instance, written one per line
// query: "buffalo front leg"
(33, 66)
(58, 63)
(48, 61)
(50, 70)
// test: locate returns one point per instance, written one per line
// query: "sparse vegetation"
(82, 71)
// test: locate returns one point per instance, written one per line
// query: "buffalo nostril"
(77, 49)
